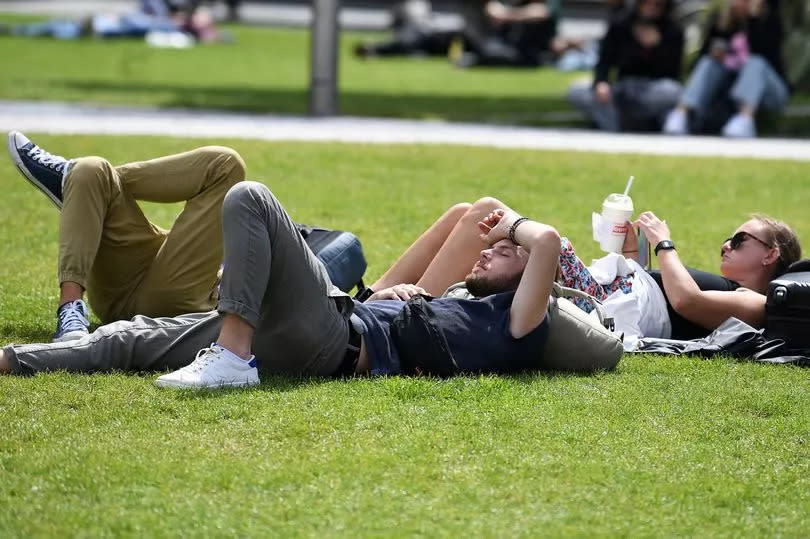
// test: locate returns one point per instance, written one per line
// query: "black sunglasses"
(737, 239)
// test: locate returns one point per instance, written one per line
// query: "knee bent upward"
(227, 159)
(246, 194)
(87, 171)
(481, 208)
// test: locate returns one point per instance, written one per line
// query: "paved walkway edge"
(72, 118)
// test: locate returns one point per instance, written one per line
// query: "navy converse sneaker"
(44, 170)
(72, 321)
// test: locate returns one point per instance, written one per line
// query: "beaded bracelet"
(513, 228)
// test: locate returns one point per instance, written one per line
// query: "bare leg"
(70, 291)
(411, 265)
(748, 110)
(5, 368)
(456, 257)
(445, 252)
(236, 335)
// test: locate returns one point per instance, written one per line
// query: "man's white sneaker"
(740, 126)
(213, 368)
(676, 123)
(72, 321)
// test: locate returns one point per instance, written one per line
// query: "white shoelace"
(55, 162)
(72, 318)
(204, 357)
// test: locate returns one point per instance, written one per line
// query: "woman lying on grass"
(696, 302)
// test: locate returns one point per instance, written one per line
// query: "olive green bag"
(577, 341)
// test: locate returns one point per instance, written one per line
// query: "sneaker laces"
(55, 162)
(72, 318)
(204, 357)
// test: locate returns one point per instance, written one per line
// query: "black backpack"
(787, 308)
(341, 252)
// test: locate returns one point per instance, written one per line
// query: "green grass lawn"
(267, 70)
(661, 447)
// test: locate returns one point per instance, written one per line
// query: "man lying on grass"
(276, 300)
(108, 247)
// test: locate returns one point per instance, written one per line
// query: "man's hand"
(603, 93)
(400, 291)
(499, 14)
(496, 12)
(648, 35)
(655, 229)
(495, 226)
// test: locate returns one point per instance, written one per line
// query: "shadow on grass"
(17, 332)
(500, 108)
(274, 384)
(530, 110)
(281, 383)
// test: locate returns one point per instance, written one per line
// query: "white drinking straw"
(629, 185)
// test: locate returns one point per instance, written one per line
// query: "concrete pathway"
(71, 118)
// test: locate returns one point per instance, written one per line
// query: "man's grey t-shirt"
(477, 333)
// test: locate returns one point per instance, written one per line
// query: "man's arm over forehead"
(530, 303)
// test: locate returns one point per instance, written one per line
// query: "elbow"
(546, 238)
(683, 305)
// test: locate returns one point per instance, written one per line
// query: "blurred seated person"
(644, 46)
(740, 71)
(415, 34)
(519, 33)
(495, 33)
(151, 16)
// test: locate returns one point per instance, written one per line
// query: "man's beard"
(481, 287)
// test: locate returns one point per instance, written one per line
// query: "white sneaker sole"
(176, 384)
(15, 156)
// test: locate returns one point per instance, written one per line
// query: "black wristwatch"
(664, 245)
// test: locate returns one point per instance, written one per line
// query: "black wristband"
(513, 228)
(664, 245)
(364, 294)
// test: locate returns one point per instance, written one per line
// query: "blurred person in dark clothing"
(495, 33)
(159, 16)
(740, 70)
(511, 33)
(415, 34)
(644, 46)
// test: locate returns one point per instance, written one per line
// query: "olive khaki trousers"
(127, 264)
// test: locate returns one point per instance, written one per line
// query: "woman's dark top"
(765, 35)
(683, 329)
(620, 50)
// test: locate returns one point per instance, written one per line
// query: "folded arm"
(532, 12)
(708, 308)
(538, 242)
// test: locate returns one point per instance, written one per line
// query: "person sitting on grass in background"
(740, 65)
(276, 300)
(415, 33)
(108, 247)
(160, 16)
(519, 33)
(645, 48)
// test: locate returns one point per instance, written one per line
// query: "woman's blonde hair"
(781, 236)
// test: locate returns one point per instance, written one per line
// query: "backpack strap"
(560, 291)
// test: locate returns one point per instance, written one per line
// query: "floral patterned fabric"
(574, 274)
